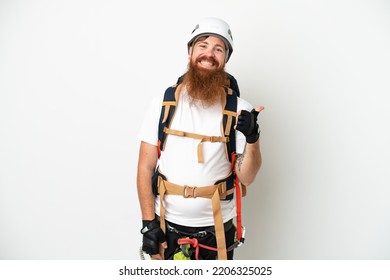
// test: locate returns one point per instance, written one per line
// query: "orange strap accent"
(230, 115)
(167, 106)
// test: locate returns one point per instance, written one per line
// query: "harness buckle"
(201, 234)
(189, 192)
(222, 190)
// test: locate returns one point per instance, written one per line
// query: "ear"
(190, 53)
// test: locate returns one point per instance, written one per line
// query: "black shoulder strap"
(166, 116)
(229, 121)
(233, 84)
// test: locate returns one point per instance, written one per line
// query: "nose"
(210, 52)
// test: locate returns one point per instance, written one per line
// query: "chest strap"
(213, 192)
(202, 138)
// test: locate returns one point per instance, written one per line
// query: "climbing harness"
(223, 189)
(190, 243)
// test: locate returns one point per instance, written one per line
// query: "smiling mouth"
(207, 62)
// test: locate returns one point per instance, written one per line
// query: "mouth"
(207, 62)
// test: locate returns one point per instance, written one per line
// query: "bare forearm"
(146, 167)
(145, 194)
(248, 163)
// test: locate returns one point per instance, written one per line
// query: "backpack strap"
(167, 112)
(233, 84)
(229, 105)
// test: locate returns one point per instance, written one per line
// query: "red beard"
(205, 85)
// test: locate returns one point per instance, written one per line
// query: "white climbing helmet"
(213, 27)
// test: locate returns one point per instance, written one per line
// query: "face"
(208, 53)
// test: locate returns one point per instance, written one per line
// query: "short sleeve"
(148, 131)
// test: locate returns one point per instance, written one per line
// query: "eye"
(220, 50)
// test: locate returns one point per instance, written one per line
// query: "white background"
(76, 78)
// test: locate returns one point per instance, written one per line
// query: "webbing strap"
(162, 191)
(203, 138)
(225, 111)
(219, 229)
(167, 187)
(213, 192)
(168, 110)
(167, 105)
(230, 115)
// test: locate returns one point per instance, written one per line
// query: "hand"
(152, 236)
(247, 124)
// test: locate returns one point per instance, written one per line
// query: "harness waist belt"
(194, 192)
(213, 192)
(199, 232)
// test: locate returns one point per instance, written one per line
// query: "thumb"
(259, 108)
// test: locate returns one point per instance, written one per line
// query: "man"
(192, 160)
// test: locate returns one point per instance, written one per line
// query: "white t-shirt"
(179, 160)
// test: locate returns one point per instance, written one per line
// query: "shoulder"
(168, 93)
(156, 100)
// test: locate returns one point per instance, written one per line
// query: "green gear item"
(183, 254)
